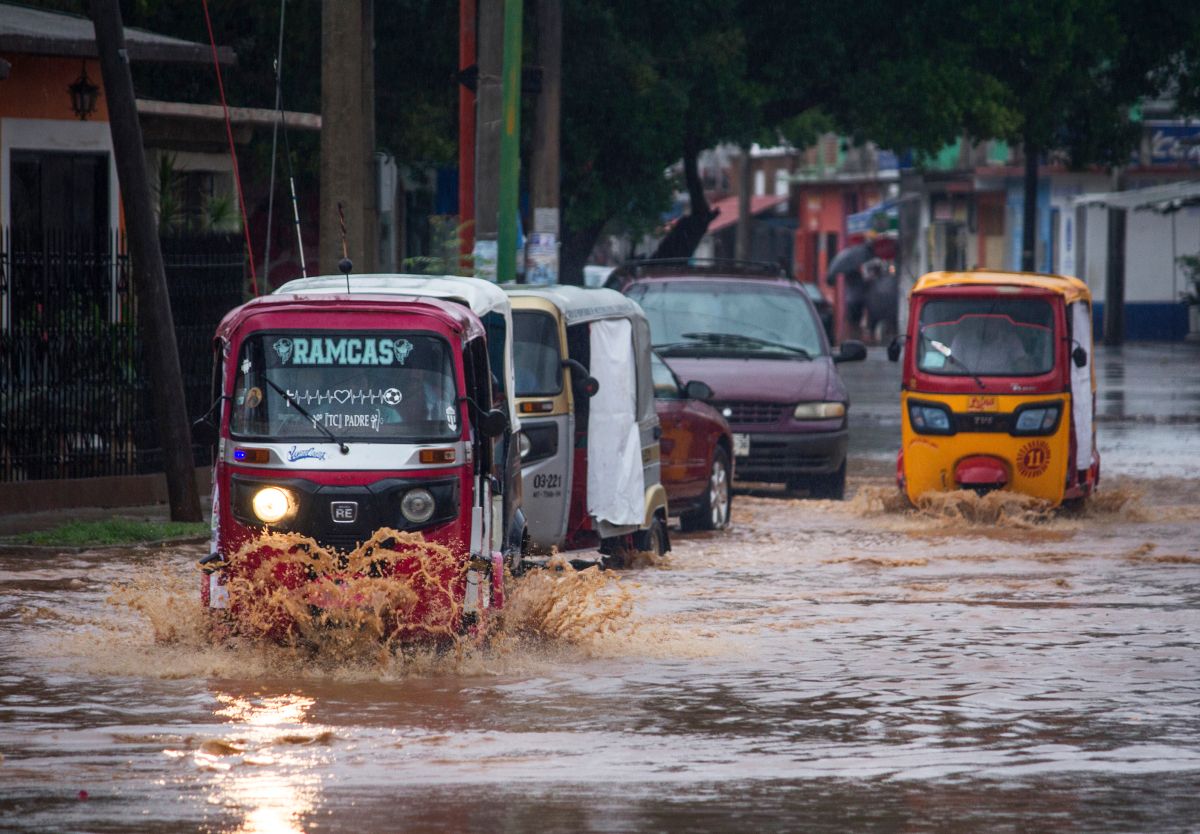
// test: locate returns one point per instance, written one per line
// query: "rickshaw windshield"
(986, 337)
(377, 387)
(536, 354)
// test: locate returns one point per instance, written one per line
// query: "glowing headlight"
(418, 505)
(272, 504)
(819, 411)
(525, 445)
(1037, 420)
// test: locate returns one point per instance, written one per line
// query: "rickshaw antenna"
(345, 264)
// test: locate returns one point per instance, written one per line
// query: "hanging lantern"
(83, 95)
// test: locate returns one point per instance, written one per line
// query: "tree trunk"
(577, 245)
(683, 238)
(1029, 226)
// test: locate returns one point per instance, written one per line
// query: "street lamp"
(83, 95)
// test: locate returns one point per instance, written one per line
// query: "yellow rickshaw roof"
(1072, 289)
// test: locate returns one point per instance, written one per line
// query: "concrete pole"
(741, 244)
(466, 128)
(510, 146)
(544, 166)
(1029, 217)
(155, 323)
(488, 111)
(348, 133)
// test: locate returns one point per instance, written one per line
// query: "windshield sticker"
(246, 366)
(253, 398)
(295, 453)
(452, 418)
(341, 396)
(341, 351)
(334, 420)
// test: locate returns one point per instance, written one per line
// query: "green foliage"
(113, 531)
(446, 237)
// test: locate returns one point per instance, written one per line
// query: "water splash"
(393, 588)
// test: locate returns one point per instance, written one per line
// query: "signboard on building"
(1171, 144)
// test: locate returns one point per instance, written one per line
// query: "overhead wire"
(237, 177)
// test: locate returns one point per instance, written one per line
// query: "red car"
(697, 445)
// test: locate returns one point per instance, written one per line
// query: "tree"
(1068, 74)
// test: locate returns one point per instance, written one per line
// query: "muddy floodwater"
(822, 666)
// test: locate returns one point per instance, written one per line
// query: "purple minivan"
(753, 335)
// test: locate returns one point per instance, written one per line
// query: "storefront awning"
(1161, 198)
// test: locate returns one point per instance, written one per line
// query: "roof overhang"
(41, 32)
(250, 116)
(1163, 199)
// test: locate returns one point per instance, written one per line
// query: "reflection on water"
(266, 767)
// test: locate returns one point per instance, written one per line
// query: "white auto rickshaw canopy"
(622, 412)
(482, 297)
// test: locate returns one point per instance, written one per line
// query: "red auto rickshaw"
(342, 416)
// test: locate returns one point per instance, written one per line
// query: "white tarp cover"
(1081, 385)
(615, 481)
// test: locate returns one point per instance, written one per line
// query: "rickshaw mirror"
(493, 423)
(587, 387)
(851, 350)
(584, 384)
(697, 390)
(893, 350)
(1079, 356)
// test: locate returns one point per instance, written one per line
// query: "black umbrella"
(849, 259)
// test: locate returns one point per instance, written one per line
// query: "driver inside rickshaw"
(989, 344)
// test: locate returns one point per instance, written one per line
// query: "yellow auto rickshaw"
(998, 389)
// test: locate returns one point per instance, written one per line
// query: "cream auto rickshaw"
(491, 304)
(589, 441)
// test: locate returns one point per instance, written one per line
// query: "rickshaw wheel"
(653, 539)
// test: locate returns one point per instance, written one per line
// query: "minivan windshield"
(374, 386)
(986, 337)
(708, 317)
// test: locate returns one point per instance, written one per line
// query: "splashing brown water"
(159, 623)
(999, 509)
(393, 588)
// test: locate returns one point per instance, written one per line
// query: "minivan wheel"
(718, 498)
(830, 487)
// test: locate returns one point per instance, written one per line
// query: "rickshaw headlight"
(418, 505)
(929, 419)
(819, 411)
(1037, 420)
(272, 504)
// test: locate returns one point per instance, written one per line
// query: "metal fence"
(74, 395)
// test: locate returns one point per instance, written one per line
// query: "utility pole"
(348, 133)
(466, 127)
(1114, 280)
(544, 166)
(510, 146)
(488, 115)
(1029, 225)
(741, 244)
(149, 279)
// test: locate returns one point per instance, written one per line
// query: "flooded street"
(821, 666)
